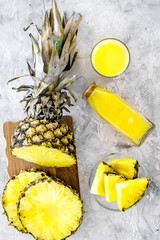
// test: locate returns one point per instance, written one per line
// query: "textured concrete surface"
(137, 24)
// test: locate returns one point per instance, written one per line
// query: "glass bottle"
(119, 114)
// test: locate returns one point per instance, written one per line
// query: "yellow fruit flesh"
(119, 114)
(50, 211)
(110, 181)
(125, 166)
(129, 192)
(110, 57)
(12, 192)
(49, 157)
(98, 182)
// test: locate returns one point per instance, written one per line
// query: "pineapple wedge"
(125, 166)
(50, 210)
(11, 194)
(129, 192)
(98, 182)
(110, 181)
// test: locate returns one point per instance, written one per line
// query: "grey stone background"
(137, 23)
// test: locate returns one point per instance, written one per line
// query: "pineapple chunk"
(11, 194)
(48, 157)
(110, 181)
(129, 192)
(125, 166)
(50, 210)
(98, 182)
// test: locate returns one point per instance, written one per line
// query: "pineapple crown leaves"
(53, 60)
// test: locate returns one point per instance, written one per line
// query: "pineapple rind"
(125, 166)
(15, 222)
(110, 181)
(48, 180)
(130, 192)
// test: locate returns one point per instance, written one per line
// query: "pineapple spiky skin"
(11, 193)
(46, 136)
(49, 106)
(70, 207)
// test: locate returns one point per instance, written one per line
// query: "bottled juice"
(119, 113)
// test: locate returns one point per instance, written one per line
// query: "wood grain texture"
(15, 165)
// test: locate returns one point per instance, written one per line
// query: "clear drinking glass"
(109, 56)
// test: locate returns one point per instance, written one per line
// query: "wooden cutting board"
(15, 165)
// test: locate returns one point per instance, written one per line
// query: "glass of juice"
(110, 57)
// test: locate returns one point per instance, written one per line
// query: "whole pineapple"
(43, 138)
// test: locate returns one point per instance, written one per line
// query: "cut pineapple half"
(12, 191)
(50, 210)
(44, 142)
(98, 182)
(126, 166)
(129, 192)
(110, 181)
(45, 156)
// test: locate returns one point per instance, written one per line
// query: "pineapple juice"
(110, 57)
(119, 114)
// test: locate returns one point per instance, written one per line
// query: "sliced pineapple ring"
(12, 191)
(98, 182)
(45, 156)
(50, 210)
(125, 166)
(110, 181)
(129, 192)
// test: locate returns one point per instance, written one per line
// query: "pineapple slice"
(110, 181)
(125, 166)
(44, 156)
(129, 192)
(50, 210)
(98, 182)
(11, 194)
